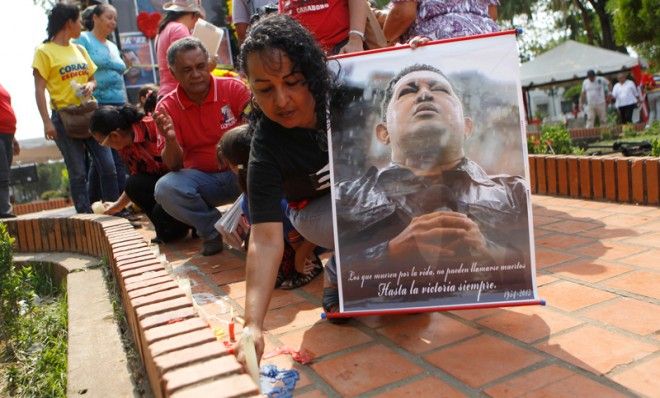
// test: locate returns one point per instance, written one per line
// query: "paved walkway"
(599, 336)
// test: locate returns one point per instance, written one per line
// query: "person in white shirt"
(626, 97)
(595, 90)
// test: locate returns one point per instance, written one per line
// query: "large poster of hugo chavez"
(428, 164)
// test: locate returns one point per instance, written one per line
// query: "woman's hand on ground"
(112, 208)
(258, 338)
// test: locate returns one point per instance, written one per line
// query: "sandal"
(300, 279)
(280, 278)
(331, 304)
(287, 269)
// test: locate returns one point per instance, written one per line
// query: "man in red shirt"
(8, 148)
(338, 25)
(193, 118)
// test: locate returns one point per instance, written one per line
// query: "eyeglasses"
(103, 141)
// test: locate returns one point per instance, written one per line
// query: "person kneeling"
(300, 262)
(136, 139)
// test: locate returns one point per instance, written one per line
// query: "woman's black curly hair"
(283, 33)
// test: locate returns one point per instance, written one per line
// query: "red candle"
(232, 336)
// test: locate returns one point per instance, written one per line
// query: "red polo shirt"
(327, 20)
(7, 116)
(200, 127)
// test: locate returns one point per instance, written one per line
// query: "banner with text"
(137, 53)
(430, 180)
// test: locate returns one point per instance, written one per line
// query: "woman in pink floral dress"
(439, 19)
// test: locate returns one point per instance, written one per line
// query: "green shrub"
(612, 118)
(606, 134)
(655, 150)
(6, 244)
(53, 194)
(35, 336)
(653, 129)
(573, 93)
(628, 130)
(40, 349)
(15, 286)
(533, 145)
(64, 181)
(579, 151)
(555, 139)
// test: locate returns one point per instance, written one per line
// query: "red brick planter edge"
(179, 350)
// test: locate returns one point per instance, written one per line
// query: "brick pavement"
(598, 267)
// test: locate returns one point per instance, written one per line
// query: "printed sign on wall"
(137, 52)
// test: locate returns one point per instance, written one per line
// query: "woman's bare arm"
(40, 97)
(399, 19)
(263, 259)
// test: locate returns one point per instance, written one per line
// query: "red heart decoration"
(148, 23)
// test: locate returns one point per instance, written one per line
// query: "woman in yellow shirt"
(67, 72)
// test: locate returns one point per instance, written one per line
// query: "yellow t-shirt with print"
(59, 66)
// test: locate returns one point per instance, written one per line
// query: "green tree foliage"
(573, 93)
(585, 21)
(64, 180)
(45, 4)
(637, 24)
(509, 8)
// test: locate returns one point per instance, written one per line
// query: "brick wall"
(40, 205)
(616, 179)
(179, 350)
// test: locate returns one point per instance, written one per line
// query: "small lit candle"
(232, 335)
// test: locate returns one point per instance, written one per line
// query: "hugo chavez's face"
(424, 120)
(280, 91)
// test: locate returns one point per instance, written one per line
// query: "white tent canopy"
(570, 61)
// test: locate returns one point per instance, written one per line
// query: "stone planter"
(617, 179)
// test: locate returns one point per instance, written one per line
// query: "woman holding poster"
(289, 80)
(439, 19)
